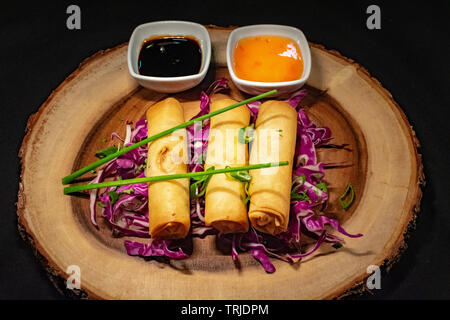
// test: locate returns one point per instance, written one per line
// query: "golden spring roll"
(169, 216)
(224, 206)
(270, 188)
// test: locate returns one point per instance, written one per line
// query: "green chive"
(106, 152)
(113, 196)
(245, 134)
(350, 194)
(192, 175)
(202, 177)
(247, 194)
(243, 176)
(68, 179)
(322, 186)
(337, 245)
(299, 196)
(140, 168)
(128, 191)
(300, 179)
(201, 182)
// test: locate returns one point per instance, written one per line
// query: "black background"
(409, 56)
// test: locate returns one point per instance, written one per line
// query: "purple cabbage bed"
(126, 207)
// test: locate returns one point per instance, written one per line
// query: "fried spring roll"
(270, 188)
(224, 206)
(169, 214)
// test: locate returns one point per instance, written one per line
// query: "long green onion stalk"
(68, 179)
(83, 187)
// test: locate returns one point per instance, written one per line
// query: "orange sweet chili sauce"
(267, 58)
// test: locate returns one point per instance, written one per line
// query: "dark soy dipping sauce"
(170, 57)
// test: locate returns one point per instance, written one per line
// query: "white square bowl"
(254, 87)
(168, 28)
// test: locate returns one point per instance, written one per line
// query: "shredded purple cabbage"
(126, 207)
(157, 248)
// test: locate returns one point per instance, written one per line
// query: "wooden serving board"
(380, 160)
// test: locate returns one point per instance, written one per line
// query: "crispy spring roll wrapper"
(169, 214)
(224, 206)
(270, 188)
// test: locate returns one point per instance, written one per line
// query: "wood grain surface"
(380, 159)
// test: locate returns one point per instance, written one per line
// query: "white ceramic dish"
(253, 87)
(171, 28)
